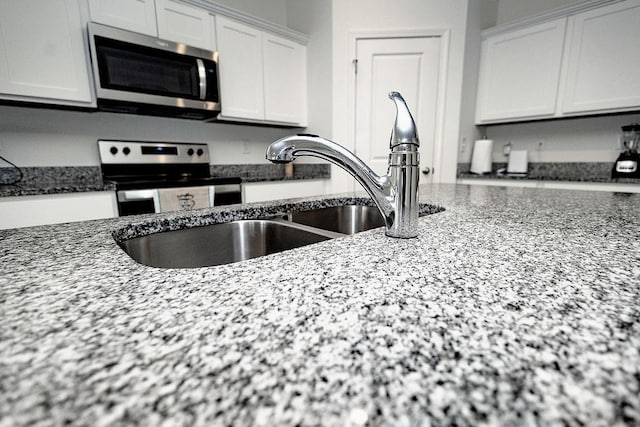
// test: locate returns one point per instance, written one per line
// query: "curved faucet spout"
(395, 194)
(289, 148)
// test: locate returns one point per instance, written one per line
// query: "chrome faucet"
(396, 193)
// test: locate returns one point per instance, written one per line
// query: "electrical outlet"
(463, 145)
(246, 149)
(506, 149)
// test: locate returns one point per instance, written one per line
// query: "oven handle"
(202, 77)
(137, 195)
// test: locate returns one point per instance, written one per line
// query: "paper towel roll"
(481, 160)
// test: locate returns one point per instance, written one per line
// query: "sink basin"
(348, 219)
(220, 243)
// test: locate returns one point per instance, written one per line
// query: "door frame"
(444, 35)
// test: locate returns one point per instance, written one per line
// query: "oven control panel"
(147, 152)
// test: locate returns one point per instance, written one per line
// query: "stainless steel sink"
(348, 219)
(220, 243)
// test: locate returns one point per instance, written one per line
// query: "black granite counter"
(59, 180)
(514, 306)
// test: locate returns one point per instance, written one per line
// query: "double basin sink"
(244, 239)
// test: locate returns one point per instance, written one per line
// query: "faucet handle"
(404, 129)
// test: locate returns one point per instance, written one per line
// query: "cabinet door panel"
(603, 64)
(241, 71)
(133, 15)
(519, 73)
(184, 24)
(284, 80)
(42, 50)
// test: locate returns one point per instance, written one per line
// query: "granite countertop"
(515, 306)
(79, 179)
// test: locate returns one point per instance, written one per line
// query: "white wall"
(481, 15)
(394, 15)
(513, 10)
(313, 17)
(270, 10)
(42, 137)
(587, 139)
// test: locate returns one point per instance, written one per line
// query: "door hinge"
(355, 65)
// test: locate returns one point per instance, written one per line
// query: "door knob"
(426, 171)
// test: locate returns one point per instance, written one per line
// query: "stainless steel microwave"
(139, 74)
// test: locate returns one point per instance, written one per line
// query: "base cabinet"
(267, 191)
(26, 211)
(558, 185)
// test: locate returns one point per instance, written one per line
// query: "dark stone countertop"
(513, 307)
(77, 179)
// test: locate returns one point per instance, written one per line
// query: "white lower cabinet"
(26, 211)
(43, 54)
(559, 185)
(266, 191)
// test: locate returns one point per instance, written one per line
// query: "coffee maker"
(627, 164)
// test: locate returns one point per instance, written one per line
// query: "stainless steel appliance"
(135, 73)
(164, 176)
(627, 163)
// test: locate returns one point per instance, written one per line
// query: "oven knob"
(126, 151)
(190, 151)
(113, 150)
(200, 152)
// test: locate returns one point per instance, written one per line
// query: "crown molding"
(561, 12)
(219, 9)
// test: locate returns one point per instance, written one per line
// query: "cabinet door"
(133, 15)
(520, 72)
(603, 64)
(284, 80)
(266, 191)
(27, 211)
(185, 24)
(43, 53)
(241, 72)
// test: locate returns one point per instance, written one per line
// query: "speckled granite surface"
(74, 179)
(556, 171)
(515, 306)
(52, 180)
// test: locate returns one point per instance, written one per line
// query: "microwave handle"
(202, 75)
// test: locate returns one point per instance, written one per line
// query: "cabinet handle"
(202, 76)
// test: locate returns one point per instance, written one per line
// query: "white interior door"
(409, 65)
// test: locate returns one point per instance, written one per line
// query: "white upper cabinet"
(603, 63)
(185, 24)
(43, 54)
(241, 70)
(519, 73)
(584, 61)
(133, 15)
(262, 76)
(285, 84)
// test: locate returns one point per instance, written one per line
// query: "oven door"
(133, 202)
